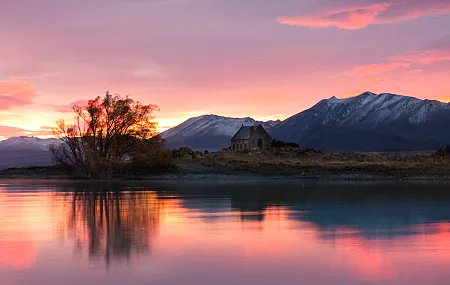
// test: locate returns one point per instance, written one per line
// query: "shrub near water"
(150, 157)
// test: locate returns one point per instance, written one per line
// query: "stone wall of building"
(239, 145)
(259, 138)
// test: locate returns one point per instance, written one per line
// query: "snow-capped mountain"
(209, 132)
(373, 110)
(26, 151)
(23, 142)
(369, 122)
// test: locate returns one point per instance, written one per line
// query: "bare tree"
(103, 132)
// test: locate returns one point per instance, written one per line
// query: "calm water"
(56, 233)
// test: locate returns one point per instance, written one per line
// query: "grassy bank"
(35, 172)
(320, 164)
(281, 163)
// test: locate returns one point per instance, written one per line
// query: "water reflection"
(227, 233)
(112, 225)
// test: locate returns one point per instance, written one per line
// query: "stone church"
(251, 137)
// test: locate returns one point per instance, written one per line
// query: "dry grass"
(318, 163)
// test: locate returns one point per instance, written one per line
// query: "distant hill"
(208, 132)
(26, 151)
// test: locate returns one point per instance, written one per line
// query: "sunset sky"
(266, 59)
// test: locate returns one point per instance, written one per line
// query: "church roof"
(244, 133)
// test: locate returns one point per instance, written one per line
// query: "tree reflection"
(113, 224)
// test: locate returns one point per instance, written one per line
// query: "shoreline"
(223, 166)
(240, 176)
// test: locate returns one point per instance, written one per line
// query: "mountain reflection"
(373, 220)
(112, 224)
(366, 210)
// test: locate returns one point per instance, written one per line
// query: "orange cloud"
(15, 93)
(405, 61)
(360, 16)
(345, 18)
(68, 108)
(373, 80)
(7, 131)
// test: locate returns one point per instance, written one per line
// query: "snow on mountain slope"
(388, 114)
(369, 109)
(208, 131)
(380, 109)
(213, 124)
(26, 151)
(23, 142)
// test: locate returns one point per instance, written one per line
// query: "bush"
(293, 145)
(149, 157)
(182, 152)
(310, 151)
(278, 144)
(443, 151)
(282, 144)
(227, 148)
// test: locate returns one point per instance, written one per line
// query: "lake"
(248, 232)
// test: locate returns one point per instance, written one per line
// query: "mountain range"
(26, 151)
(365, 123)
(369, 122)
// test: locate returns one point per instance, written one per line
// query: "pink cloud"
(374, 80)
(7, 131)
(414, 71)
(15, 94)
(68, 108)
(405, 61)
(350, 18)
(360, 16)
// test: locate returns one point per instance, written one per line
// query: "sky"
(267, 59)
